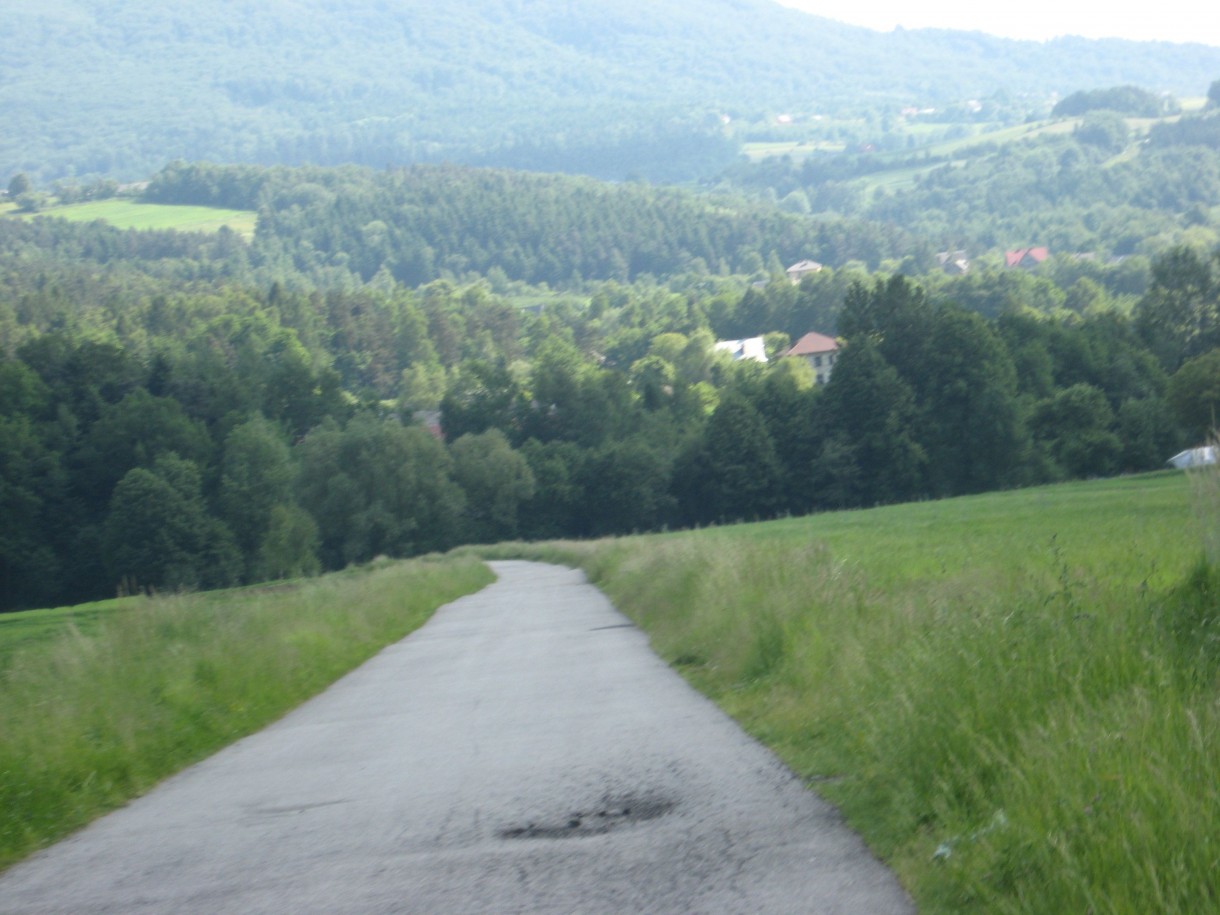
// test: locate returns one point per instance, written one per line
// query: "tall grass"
(1012, 697)
(89, 719)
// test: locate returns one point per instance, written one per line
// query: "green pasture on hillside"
(904, 176)
(123, 213)
(795, 149)
(18, 630)
(1128, 529)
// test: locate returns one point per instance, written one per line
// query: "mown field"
(1011, 696)
(758, 151)
(123, 213)
(99, 703)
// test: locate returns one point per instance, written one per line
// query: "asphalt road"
(524, 751)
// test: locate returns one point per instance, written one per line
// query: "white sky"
(1138, 20)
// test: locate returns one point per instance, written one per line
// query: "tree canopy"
(187, 410)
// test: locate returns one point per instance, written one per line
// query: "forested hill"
(420, 223)
(119, 87)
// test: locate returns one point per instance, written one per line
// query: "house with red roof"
(1027, 258)
(819, 351)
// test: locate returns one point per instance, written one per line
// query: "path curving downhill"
(525, 751)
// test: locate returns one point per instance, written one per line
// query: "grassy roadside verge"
(1012, 696)
(96, 715)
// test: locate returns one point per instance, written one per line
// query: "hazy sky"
(1166, 20)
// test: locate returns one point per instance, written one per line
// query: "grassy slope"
(96, 714)
(1011, 696)
(25, 628)
(129, 214)
(902, 177)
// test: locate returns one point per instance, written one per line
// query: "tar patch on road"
(613, 813)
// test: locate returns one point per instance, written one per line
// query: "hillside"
(1102, 183)
(120, 88)
(420, 223)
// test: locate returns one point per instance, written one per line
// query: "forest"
(667, 90)
(185, 410)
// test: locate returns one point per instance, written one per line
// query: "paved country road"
(524, 751)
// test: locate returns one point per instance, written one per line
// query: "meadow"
(27, 627)
(100, 703)
(124, 213)
(1011, 696)
(980, 139)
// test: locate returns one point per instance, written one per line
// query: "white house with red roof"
(819, 351)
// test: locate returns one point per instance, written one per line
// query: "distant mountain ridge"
(120, 87)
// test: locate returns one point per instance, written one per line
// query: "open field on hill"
(18, 630)
(903, 175)
(1011, 696)
(130, 214)
(979, 134)
(794, 149)
(100, 703)
(904, 178)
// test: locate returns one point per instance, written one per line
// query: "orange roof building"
(819, 351)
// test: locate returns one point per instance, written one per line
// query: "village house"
(819, 351)
(750, 348)
(954, 263)
(1026, 258)
(801, 269)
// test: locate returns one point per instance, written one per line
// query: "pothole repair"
(611, 814)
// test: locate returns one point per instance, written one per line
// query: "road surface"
(524, 751)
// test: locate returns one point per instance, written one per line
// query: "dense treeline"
(1193, 131)
(1128, 100)
(419, 223)
(166, 421)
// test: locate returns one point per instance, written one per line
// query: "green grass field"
(1011, 696)
(795, 149)
(903, 177)
(123, 213)
(101, 702)
(19, 630)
